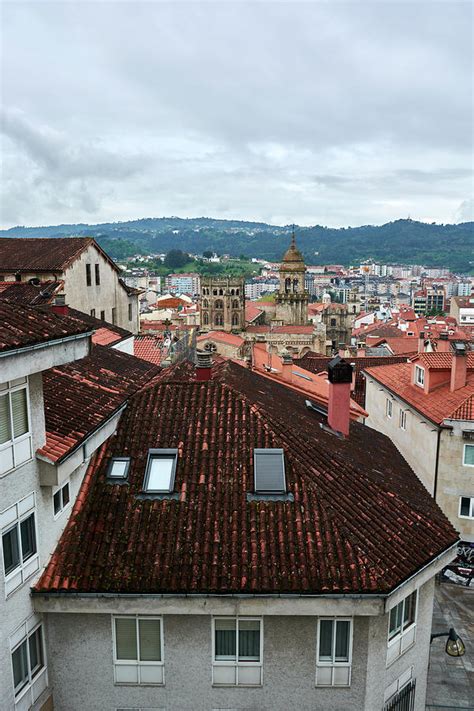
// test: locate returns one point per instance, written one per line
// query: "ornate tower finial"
(293, 239)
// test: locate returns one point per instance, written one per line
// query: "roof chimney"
(340, 382)
(59, 305)
(458, 366)
(287, 366)
(443, 343)
(421, 342)
(203, 365)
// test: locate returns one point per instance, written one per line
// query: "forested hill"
(405, 241)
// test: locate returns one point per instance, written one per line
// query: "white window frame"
(333, 664)
(396, 686)
(402, 422)
(14, 443)
(471, 510)
(63, 506)
(419, 376)
(37, 682)
(10, 518)
(464, 455)
(405, 638)
(235, 663)
(389, 408)
(140, 665)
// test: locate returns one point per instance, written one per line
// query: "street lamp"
(454, 646)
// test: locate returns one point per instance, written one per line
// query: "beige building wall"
(454, 478)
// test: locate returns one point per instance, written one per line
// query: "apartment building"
(229, 548)
(91, 280)
(426, 407)
(59, 400)
(462, 309)
(183, 283)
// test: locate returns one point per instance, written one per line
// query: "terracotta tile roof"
(399, 346)
(105, 333)
(441, 361)
(22, 326)
(230, 339)
(40, 254)
(28, 294)
(82, 395)
(438, 405)
(150, 348)
(317, 363)
(360, 522)
(252, 311)
(464, 411)
(280, 329)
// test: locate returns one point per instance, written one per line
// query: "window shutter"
(19, 412)
(5, 429)
(150, 642)
(126, 638)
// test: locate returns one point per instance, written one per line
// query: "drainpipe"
(435, 487)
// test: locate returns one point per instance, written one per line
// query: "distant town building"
(183, 283)
(222, 303)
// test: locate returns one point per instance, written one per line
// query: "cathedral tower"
(222, 304)
(292, 298)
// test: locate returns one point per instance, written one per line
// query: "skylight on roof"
(160, 471)
(269, 471)
(118, 468)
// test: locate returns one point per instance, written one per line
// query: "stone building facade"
(292, 297)
(222, 304)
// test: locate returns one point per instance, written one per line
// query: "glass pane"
(150, 644)
(19, 412)
(11, 550)
(159, 473)
(342, 640)
(249, 640)
(65, 494)
(28, 538)
(36, 652)
(5, 429)
(126, 638)
(225, 642)
(409, 610)
(325, 640)
(118, 469)
(20, 667)
(465, 506)
(57, 502)
(469, 454)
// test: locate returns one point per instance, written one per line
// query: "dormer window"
(118, 468)
(160, 471)
(269, 471)
(419, 376)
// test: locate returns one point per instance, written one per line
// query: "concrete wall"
(82, 674)
(455, 479)
(104, 297)
(417, 443)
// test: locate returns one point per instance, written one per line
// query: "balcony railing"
(404, 700)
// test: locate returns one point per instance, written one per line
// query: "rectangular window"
(334, 652)
(20, 551)
(102, 315)
(466, 506)
(114, 315)
(130, 314)
(237, 651)
(138, 650)
(402, 627)
(420, 376)
(61, 499)
(269, 471)
(15, 434)
(468, 456)
(88, 275)
(97, 274)
(403, 419)
(160, 471)
(118, 468)
(28, 660)
(388, 407)
(93, 312)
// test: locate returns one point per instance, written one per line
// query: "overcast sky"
(334, 113)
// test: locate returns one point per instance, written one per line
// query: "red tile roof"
(252, 311)
(44, 254)
(230, 339)
(30, 294)
(360, 522)
(399, 346)
(150, 348)
(280, 329)
(22, 326)
(317, 363)
(105, 333)
(438, 405)
(80, 396)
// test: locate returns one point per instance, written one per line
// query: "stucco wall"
(417, 443)
(455, 479)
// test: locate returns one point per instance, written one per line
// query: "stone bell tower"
(292, 298)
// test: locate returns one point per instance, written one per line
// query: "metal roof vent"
(269, 471)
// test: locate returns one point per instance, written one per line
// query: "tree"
(208, 254)
(175, 258)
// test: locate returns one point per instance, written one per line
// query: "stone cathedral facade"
(222, 303)
(292, 298)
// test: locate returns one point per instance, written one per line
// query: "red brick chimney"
(421, 342)
(287, 366)
(59, 305)
(443, 343)
(459, 366)
(203, 365)
(340, 382)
